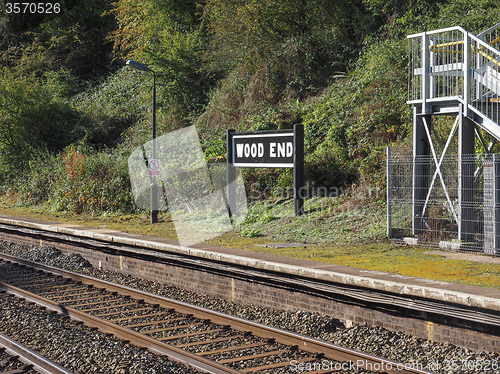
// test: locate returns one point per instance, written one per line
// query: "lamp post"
(154, 193)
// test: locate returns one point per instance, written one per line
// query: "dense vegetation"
(70, 112)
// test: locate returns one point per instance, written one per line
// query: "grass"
(381, 256)
(131, 223)
(347, 231)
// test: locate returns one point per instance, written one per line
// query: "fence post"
(425, 73)
(389, 190)
(496, 215)
(491, 168)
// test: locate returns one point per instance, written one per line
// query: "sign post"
(231, 173)
(298, 170)
(275, 149)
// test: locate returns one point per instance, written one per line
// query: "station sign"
(274, 149)
(264, 150)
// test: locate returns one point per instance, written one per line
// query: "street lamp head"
(138, 65)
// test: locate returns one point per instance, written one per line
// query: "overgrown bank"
(67, 127)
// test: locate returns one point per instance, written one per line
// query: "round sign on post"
(154, 167)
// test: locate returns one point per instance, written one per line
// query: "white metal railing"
(485, 85)
(452, 65)
(436, 65)
(491, 36)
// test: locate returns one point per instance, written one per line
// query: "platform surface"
(474, 296)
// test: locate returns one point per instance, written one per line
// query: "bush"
(169, 36)
(37, 184)
(93, 183)
(348, 127)
(110, 108)
(79, 180)
(34, 118)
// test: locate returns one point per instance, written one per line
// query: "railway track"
(205, 339)
(17, 358)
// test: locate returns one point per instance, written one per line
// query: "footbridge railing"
(491, 36)
(452, 66)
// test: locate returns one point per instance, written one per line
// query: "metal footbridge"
(453, 72)
(452, 67)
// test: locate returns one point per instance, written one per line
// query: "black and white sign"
(263, 150)
(275, 149)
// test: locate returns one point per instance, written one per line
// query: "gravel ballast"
(421, 353)
(76, 347)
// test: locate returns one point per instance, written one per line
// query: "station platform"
(454, 293)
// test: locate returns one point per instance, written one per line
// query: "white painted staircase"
(452, 69)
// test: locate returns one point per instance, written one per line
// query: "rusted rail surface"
(31, 358)
(178, 329)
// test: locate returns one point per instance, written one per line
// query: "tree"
(74, 39)
(256, 29)
(167, 34)
(33, 119)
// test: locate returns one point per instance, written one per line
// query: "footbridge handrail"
(452, 66)
(491, 36)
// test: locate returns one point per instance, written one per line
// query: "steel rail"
(314, 346)
(120, 332)
(39, 363)
(410, 305)
(354, 294)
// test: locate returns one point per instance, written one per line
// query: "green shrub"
(111, 107)
(37, 184)
(93, 182)
(348, 127)
(79, 181)
(34, 118)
